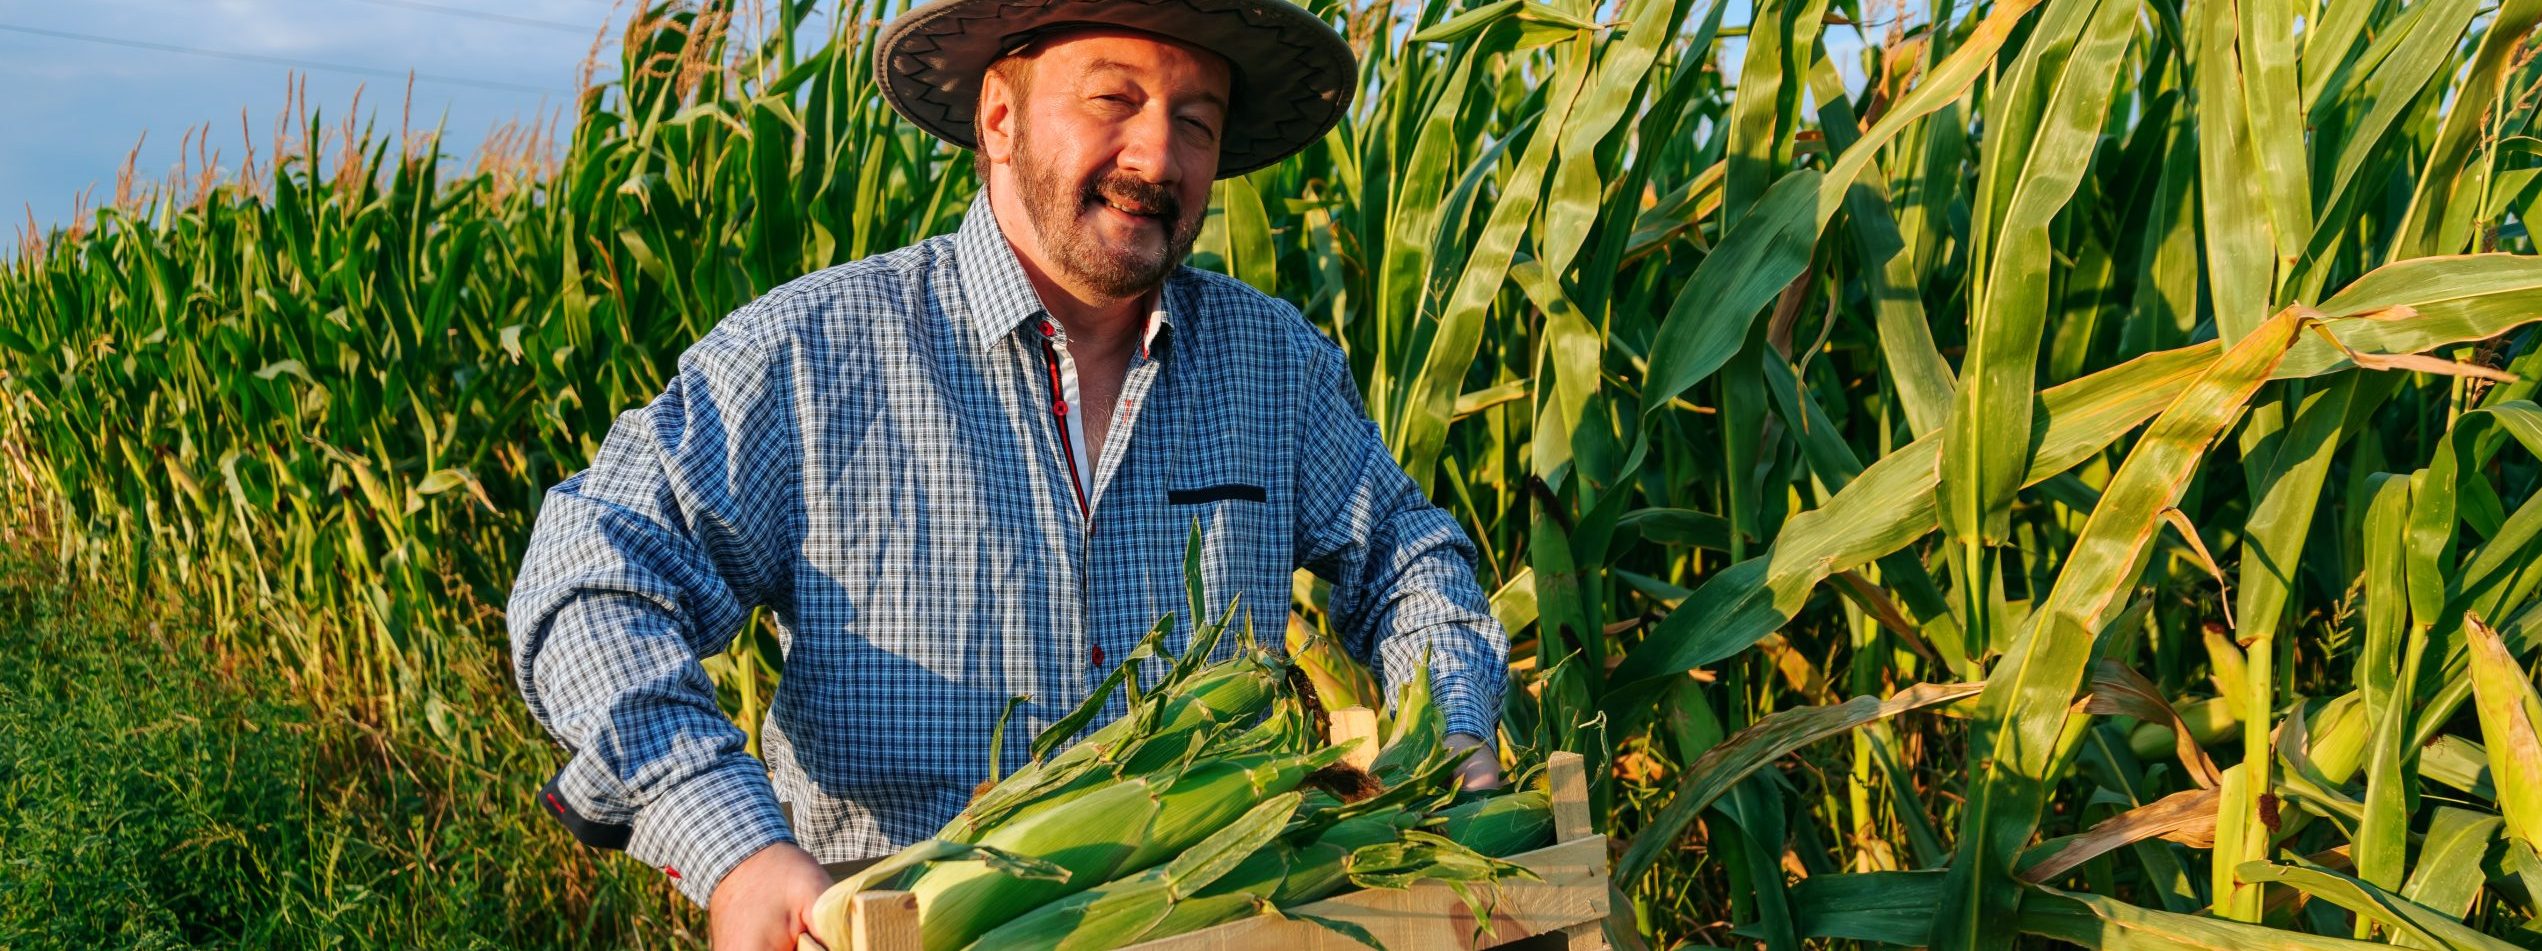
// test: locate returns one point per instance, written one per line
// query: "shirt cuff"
(697, 831)
(1462, 706)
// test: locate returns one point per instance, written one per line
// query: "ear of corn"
(1090, 837)
(1339, 681)
(1127, 910)
(1208, 795)
(1163, 729)
(1500, 826)
(1239, 692)
(1172, 818)
(1127, 825)
(1322, 867)
(1211, 885)
(829, 914)
(1419, 856)
(1412, 729)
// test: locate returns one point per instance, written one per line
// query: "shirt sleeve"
(1402, 570)
(637, 568)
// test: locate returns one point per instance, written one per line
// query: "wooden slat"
(1356, 723)
(1569, 778)
(1589, 936)
(884, 921)
(1429, 916)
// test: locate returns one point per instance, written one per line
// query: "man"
(966, 470)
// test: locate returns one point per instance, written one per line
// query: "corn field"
(2075, 483)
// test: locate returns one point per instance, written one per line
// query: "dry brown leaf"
(1885, 610)
(2118, 690)
(2186, 817)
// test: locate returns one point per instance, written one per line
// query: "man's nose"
(1147, 147)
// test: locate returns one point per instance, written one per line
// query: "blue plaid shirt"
(871, 451)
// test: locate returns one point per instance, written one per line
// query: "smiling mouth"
(1156, 215)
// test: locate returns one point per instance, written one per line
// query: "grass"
(156, 793)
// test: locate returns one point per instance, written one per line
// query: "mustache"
(1135, 195)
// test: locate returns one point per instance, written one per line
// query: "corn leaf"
(1761, 743)
(2403, 916)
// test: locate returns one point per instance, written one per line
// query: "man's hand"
(764, 903)
(1481, 769)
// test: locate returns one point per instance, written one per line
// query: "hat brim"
(1293, 74)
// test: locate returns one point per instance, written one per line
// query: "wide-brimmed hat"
(1291, 73)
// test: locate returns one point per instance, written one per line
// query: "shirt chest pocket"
(1241, 503)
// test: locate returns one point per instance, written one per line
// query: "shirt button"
(1096, 655)
(1049, 329)
(1059, 408)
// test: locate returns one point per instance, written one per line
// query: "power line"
(275, 60)
(575, 28)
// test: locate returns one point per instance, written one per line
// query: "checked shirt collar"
(1002, 298)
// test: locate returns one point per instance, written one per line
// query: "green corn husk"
(1119, 828)
(830, 913)
(1283, 873)
(1501, 826)
(1322, 867)
(1170, 899)
(1285, 876)
(1129, 910)
(1089, 837)
(1279, 875)
(1164, 728)
(1231, 693)
(1212, 794)
(1216, 695)
(1413, 731)
(1285, 729)
(1144, 708)
(1190, 720)
(1420, 788)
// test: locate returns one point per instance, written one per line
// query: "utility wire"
(276, 60)
(581, 29)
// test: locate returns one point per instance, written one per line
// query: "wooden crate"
(1565, 910)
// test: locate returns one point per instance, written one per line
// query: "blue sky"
(80, 104)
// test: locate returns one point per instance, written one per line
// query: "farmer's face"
(1113, 142)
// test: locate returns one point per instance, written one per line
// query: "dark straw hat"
(1291, 73)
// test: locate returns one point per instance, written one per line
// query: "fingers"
(807, 937)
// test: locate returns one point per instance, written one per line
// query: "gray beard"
(1108, 269)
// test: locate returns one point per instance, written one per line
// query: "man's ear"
(996, 121)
